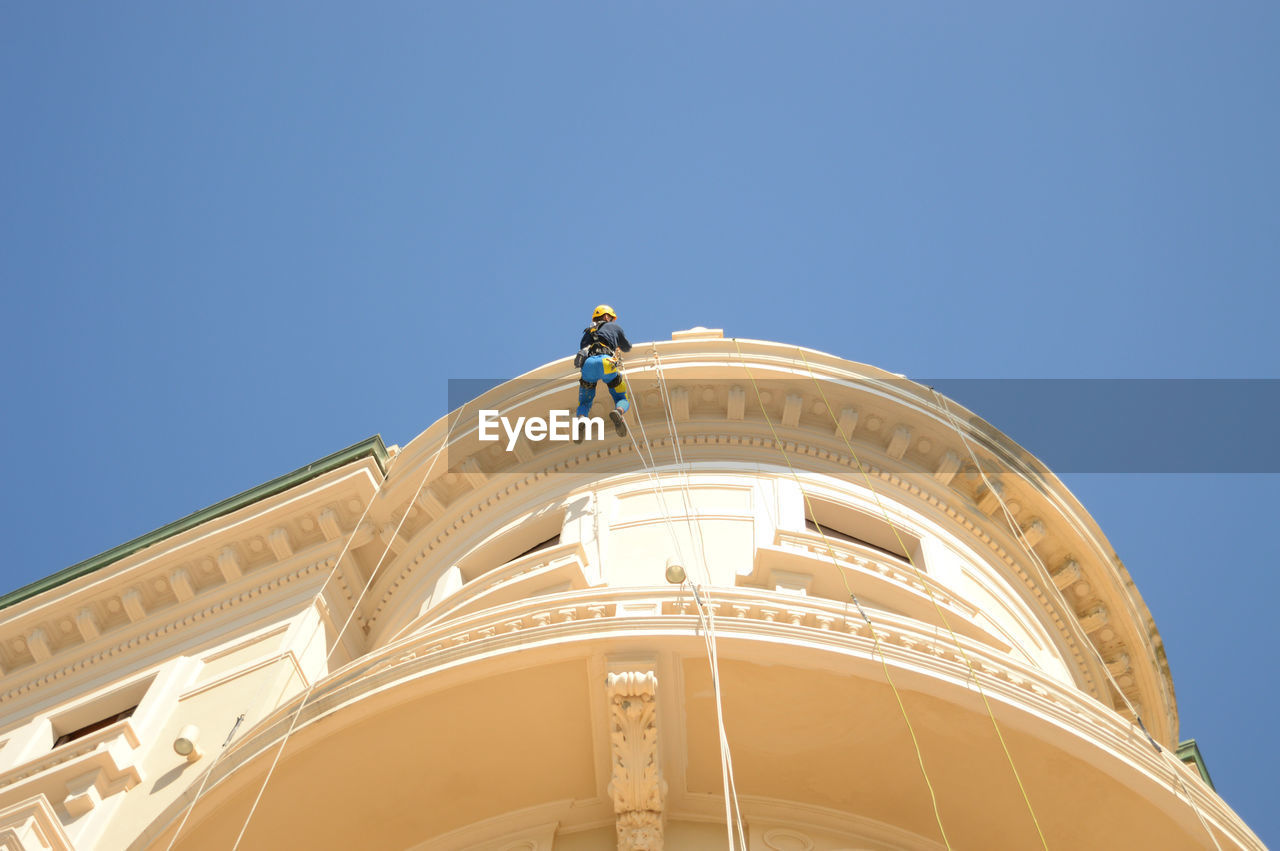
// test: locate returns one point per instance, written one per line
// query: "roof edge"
(1189, 753)
(372, 447)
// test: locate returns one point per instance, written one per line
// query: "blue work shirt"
(610, 333)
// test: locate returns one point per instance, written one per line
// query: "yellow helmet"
(602, 310)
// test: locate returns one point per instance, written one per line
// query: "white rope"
(706, 609)
(728, 819)
(712, 646)
(648, 467)
(708, 625)
(315, 631)
(708, 631)
(1164, 753)
(355, 607)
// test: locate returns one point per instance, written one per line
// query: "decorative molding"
(898, 443)
(523, 450)
(87, 623)
(761, 441)
(79, 774)
(164, 630)
(183, 588)
(1034, 532)
(38, 644)
(329, 525)
(32, 825)
(585, 616)
(791, 410)
(133, 607)
(679, 404)
(989, 497)
(281, 546)
(947, 468)
(847, 423)
(430, 503)
(1067, 574)
(392, 539)
(471, 472)
(736, 405)
(229, 564)
(638, 790)
(785, 839)
(1094, 619)
(1061, 529)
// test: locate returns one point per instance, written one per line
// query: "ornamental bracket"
(638, 790)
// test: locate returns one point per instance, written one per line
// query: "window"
(844, 523)
(98, 712)
(554, 540)
(93, 727)
(517, 540)
(836, 534)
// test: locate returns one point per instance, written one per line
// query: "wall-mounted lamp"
(185, 744)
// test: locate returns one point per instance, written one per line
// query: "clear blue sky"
(237, 237)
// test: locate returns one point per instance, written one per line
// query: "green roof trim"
(373, 447)
(1189, 752)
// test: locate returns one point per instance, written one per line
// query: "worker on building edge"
(599, 360)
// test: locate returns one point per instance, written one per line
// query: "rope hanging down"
(705, 611)
(337, 642)
(275, 702)
(712, 645)
(915, 742)
(1045, 576)
(973, 674)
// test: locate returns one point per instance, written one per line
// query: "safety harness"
(597, 346)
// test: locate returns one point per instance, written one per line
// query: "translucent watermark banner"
(1132, 425)
(1069, 425)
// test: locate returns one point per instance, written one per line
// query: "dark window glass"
(94, 727)
(845, 536)
(548, 543)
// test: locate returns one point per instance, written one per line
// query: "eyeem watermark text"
(560, 426)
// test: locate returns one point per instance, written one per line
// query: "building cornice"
(240, 554)
(903, 438)
(369, 448)
(905, 442)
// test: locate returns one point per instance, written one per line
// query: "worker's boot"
(618, 425)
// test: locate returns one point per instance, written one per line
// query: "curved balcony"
(501, 711)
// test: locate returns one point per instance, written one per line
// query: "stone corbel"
(989, 497)
(679, 403)
(737, 404)
(947, 468)
(638, 790)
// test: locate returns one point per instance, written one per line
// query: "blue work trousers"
(601, 368)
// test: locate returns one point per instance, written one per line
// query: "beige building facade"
(805, 604)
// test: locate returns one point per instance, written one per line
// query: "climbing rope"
(284, 654)
(705, 611)
(915, 742)
(696, 526)
(1034, 557)
(973, 674)
(337, 642)
(355, 607)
